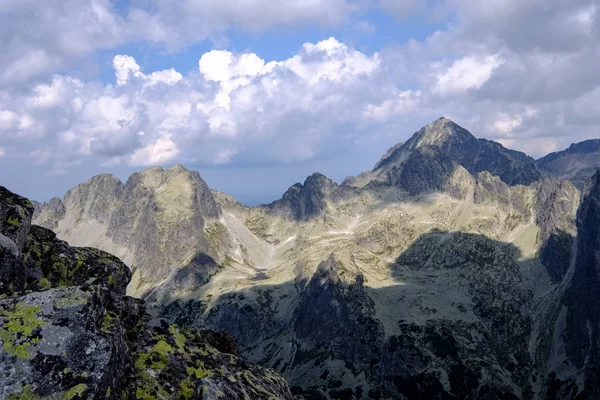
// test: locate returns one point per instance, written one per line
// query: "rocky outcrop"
(67, 330)
(556, 202)
(305, 201)
(576, 164)
(426, 170)
(15, 217)
(155, 221)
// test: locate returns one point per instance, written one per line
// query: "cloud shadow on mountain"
(460, 305)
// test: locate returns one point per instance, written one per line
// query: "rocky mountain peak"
(440, 132)
(576, 164)
(155, 220)
(176, 189)
(462, 148)
(316, 179)
(302, 202)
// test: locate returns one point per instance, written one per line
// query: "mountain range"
(455, 268)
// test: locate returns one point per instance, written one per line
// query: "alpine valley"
(455, 269)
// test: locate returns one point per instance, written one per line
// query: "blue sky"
(257, 95)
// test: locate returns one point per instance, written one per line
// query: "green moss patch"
(18, 329)
(74, 299)
(13, 221)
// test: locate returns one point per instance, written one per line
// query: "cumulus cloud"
(236, 105)
(157, 153)
(126, 67)
(522, 72)
(465, 73)
(37, 39)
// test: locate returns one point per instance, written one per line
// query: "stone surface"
(15, 216)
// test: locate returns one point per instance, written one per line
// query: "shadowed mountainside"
(577, 163)
(463, 323)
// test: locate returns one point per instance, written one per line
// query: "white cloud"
(127, 68)
(180, 23)
(124, 67)
(238, 105)
(404, 102)
(67, 30)
(240, 108)
(48, 95)
(160, 152)
(505, 125)
(224, 157)
(466, 73)
(8, 120)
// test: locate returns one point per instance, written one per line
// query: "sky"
(258, 94)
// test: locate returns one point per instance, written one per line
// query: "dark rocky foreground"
(67, 330)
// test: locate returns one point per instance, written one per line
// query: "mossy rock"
(174, 363)
(55, 348)
(63, 265)
(15, 216)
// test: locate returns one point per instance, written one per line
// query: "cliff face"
(67, 330)
(155, 222)
(581, 329)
